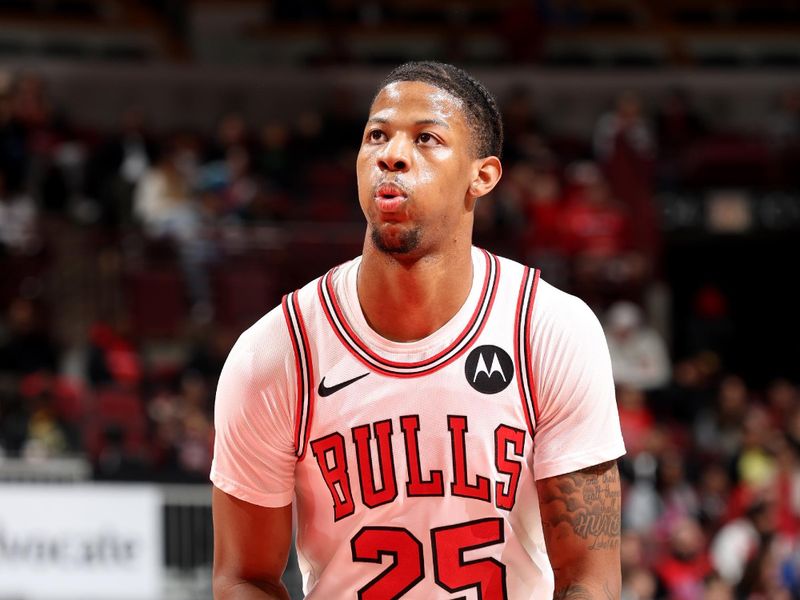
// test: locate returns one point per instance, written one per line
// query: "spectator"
(162, 200)
(531, 195)
(635, 418)
(624, 123)
(18, 221)
(231, 180)
(713, 495)
(231, 132)
(272, 161)
(639, 354)
(787, 484)
(739, 540)
(684, 569)
(717, 430)
(28, 348)
(112, 358)
(755, 464)
(624, 146)
(597, 237)
(679, 499)
(118, 164)
(165, 207)
(783, 399)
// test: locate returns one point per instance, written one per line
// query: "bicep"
(581, 524)
(577, 424)
(251, 542)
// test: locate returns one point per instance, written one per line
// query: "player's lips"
(390, 197)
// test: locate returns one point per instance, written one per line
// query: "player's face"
(414, 169)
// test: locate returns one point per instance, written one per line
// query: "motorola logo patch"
(489, 369)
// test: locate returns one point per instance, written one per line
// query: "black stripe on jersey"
(305, 376)
(525, 380)
(400, 369)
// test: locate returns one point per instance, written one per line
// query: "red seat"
(243, 294)
(156, 302)
(118, 409)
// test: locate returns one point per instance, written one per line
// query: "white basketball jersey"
(413, 465)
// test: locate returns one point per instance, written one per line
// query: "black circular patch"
(489, 369)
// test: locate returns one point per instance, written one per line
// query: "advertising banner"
(80, 542)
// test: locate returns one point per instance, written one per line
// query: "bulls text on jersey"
(331, 454)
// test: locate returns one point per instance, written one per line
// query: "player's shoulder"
(261, 349)
(560, 313)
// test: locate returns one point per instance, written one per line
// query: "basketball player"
(441, 420)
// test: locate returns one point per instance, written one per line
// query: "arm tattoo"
(574, 591)
(587, 504)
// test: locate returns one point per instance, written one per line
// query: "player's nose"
(395, 154)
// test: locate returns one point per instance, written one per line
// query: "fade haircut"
(478, 104)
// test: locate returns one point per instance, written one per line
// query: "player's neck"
(404, 302)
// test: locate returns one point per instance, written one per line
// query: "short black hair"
(480, 107)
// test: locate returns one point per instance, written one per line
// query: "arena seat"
(157, 301)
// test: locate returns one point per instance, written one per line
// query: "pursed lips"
(390, 197)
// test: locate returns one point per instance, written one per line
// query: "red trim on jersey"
(298, 371)
(531, 380)
(310, 371)
(421, 363)
(354, 344)
(519, 360)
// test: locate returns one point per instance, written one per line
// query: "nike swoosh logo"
(323, 390)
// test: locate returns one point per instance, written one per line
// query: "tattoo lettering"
(587, 502)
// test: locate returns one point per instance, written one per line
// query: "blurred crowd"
(711, 503)
(712, 474)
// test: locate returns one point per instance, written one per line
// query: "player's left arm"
(581, 523)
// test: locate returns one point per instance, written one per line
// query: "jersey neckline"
(339, 297)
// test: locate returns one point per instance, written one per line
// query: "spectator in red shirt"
(596, 231)
(684, 570)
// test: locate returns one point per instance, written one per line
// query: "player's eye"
(375, 135)
(427, 139)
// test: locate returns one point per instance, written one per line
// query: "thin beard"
(409, 241)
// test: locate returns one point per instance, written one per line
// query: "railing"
(187, 532)
(51, 470)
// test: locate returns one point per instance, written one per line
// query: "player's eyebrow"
(439, 122)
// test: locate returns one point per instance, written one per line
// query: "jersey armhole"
(304, 372)
(522, 347)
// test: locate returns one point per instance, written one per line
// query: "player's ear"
(486, 173)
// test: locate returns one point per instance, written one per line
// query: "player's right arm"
(251, 546)
(253, 466)
(576, 444)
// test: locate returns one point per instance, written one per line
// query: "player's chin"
(395, 239)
